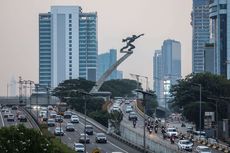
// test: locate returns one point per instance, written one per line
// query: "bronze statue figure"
(129, 44)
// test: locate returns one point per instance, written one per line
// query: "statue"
(129, 44)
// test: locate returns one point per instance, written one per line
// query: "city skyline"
(19, 34)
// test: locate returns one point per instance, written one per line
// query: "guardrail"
(121, 139)
(31, 118)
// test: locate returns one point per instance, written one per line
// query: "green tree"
(186, 95)
(115, 118)
(20, 139)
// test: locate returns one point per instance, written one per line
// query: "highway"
(70, 138)
(153, 136)
(5, 123)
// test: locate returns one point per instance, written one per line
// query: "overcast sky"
(117, 19)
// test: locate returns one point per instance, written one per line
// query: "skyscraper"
(166, 69)
(157, 75)
(106, 60)
(200, 33)
(220, 35)
(67, 45)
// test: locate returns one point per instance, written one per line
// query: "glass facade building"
(200, 33)
(106, 60)
(67, 45)
(220, 35)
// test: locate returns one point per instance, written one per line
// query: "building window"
(70, 16)
(70, 33)
(70, 77)
(70, 61)
(70, 49)
(70, 73)
(70, 29)
(70, 53)
(70, 45)
(70, 57)
(70, 25)
(70, 41)
(70, 21)
(70, 65)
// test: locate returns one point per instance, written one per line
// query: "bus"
(61, 108)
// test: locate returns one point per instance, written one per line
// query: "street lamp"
(144, 102)
(84, 93)
(36, 87)
(200, 106)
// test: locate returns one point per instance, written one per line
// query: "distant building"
(119, 74)
(200, 33)
(220, 35)
(106, 60)
(209, 58)
(166, 69)
(157, 75)
(67, 45)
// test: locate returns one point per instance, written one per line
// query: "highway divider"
(31, 118)
(105, 130)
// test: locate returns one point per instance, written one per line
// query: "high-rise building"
(157, 75)
(209, 58)
(220, 35)
(200, 33)
(106, 60)
(166, 69)
(67, 45)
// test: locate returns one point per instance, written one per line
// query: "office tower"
(209, 58)
(157, 76)
(105, 61)
(119, 74)
(220, 35)
(67, 45)
(200, 33)
(171, 60)
(166, 69)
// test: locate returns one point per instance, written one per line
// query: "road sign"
(96, 150)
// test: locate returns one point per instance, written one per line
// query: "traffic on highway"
(76, 133)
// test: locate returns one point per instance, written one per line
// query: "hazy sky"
(117, 19)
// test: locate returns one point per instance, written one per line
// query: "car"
(53, 114)
(115, 108)
(89, 129)
(128, 109)
(14, 108)
(45, 118)
(50, 107)
(185, 145)
(199, 135)
(84, 138)
(79, 147)
(6, 114)
(74, 119)
(203, 149)
(59, 118)
(189, 129)
(100, 138)
(132, 116)
(22, 118)
(70, 127)
(67, 114)
(171, 131)
(42, 113)
(4, 110)
(51, 122)
(127, 102)
(10, 117)
(58, 131)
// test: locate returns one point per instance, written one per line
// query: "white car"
(171, 131)
(58, 131)
(185, 145)
(53, 114)
(115, 108)
(74, 119)
(203, 149)
(79, 147)
(42, 113)
(128, 109)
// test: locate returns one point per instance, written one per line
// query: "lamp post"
(144, 102)
(30, 82)
(200, 87)
(36, 87)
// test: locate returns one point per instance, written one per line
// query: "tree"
(186, 95)
(20, 139)
(115, 118)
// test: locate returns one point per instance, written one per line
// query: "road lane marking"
(69, 138)
(2, 119)
(117, 147)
